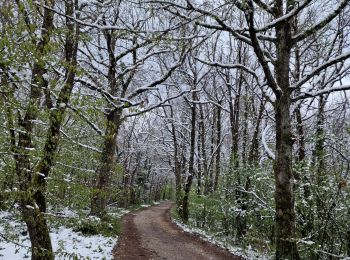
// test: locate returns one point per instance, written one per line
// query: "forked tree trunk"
(57, 114)
(33, 217)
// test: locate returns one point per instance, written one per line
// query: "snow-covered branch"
(309, 31)
(229, 66)
(320, 68)
(321, 92)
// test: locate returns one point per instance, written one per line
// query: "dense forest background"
(236, 110)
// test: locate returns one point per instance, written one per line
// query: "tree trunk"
(218, 152)
(178, 193)
(106, 164)
(319, 151)
(203, 146)
(177, 164)
(33, 217)
(245, 131)
(209, 182)
(43, 168)
(301, 137)
(199, 166)
(254, 149)
(107, 159)
(185, 206)
(38, 231)
(236, 115)
(300, 128)
(286, 247)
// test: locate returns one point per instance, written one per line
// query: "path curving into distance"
(150, 234)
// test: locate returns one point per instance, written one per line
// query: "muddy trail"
(150, 234)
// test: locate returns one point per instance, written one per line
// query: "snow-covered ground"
(66, 243)
(247, 253)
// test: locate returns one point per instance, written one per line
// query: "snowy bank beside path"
(244, 253)
(66, 243)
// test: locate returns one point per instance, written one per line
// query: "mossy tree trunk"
(57, 112)
(106, 164)
(32, 214)
(33, 201)
(113, 118)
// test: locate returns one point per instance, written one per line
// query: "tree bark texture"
(37, 227)
(185, 200)
(106, 164)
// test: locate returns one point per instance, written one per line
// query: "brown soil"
(150, 234)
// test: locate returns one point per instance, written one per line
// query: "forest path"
(150, 234)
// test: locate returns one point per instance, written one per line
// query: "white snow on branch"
(322, 92)
(229, 66)
(320, 68)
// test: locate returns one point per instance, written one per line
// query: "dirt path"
(150, 234)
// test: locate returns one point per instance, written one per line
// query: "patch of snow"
(248, 253)
(307, 242)
(65, 240)
(68, 213)
(66, 243)
(119, 213)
